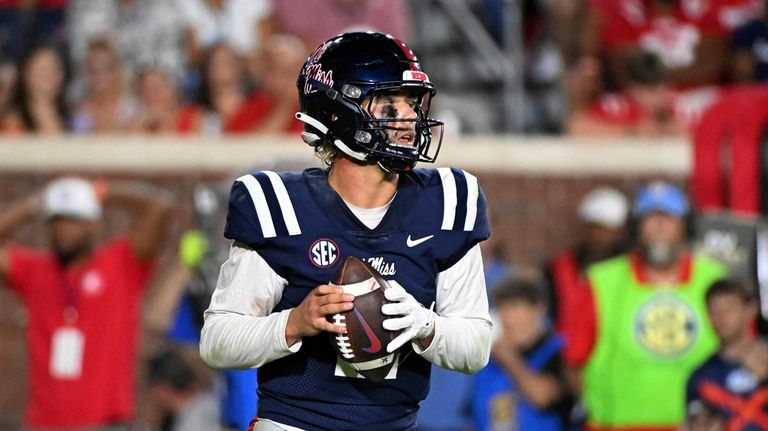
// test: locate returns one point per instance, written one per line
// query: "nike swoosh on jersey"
(414, 242)
(375, 343)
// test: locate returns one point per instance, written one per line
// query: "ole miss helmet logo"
(314, 70)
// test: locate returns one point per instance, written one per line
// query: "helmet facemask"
(396, 128)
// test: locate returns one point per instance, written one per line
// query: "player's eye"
(389, 111)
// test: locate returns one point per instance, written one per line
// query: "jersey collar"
(641, 275)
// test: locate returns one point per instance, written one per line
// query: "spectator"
(272, 106)
(331, 17)
(523, 387)
(496, 265)
(730, 387)
(647, 107)
(689, 39)
(143, 32)
(688, 36)
(83, 302)
(39, 104)
(750, 57)
(691, 45)
(602, 216)
(735, 13)
(222, 91)
(177, 313)
(644, 325)
(107, 106)
(8, 79)
(25, 24)
(609, 26)
(175, 392)
(447, 405)
(215, 22)
(161, 109)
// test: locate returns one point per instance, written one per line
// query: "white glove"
(415, 320)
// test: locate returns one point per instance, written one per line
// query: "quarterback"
(364, 101)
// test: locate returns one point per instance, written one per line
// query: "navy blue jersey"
(725, 388)
(303, 230)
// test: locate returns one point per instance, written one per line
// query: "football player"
(364, 100)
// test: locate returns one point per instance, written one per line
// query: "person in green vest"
(645, 325)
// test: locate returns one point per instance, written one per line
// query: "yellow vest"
(649, 339)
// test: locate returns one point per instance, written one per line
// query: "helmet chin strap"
(313, 139)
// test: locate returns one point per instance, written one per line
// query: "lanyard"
(71, 298)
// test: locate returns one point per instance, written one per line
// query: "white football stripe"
(360, 288)
(260, 204)
(473, 193)
(449, 197)
(286, 207)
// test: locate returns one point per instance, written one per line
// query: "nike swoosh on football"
(414, 242)
(375, 343)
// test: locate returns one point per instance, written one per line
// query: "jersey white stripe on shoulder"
(473, 193)
(286, 207)
(260, 204)
(449, 197)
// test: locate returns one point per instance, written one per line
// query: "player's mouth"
(405, 139)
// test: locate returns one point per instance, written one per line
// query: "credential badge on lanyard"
(68, 341)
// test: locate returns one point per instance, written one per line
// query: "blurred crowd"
(591, 67)
(629, 67)
(652, 67)
(179, 66)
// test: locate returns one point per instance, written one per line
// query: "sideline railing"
(554, 156)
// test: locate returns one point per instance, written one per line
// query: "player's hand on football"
(308, 318)
(416, 322)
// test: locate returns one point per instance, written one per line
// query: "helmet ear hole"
(334, 117)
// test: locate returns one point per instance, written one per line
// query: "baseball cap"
(605, 206)
(71, 197)
(661, 196)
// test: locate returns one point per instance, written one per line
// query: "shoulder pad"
(460, 209)
(260, 208)
(464, 204)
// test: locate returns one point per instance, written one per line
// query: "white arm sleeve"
(462, 340)
(239, 330)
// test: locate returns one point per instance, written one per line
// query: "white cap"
(71, 197)
(604, 206)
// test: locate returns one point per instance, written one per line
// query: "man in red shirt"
(82, 301)
(602, 216)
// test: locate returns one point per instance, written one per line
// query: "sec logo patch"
(323, 253)
(666, 326)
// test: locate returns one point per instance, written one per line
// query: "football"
(364, 346)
